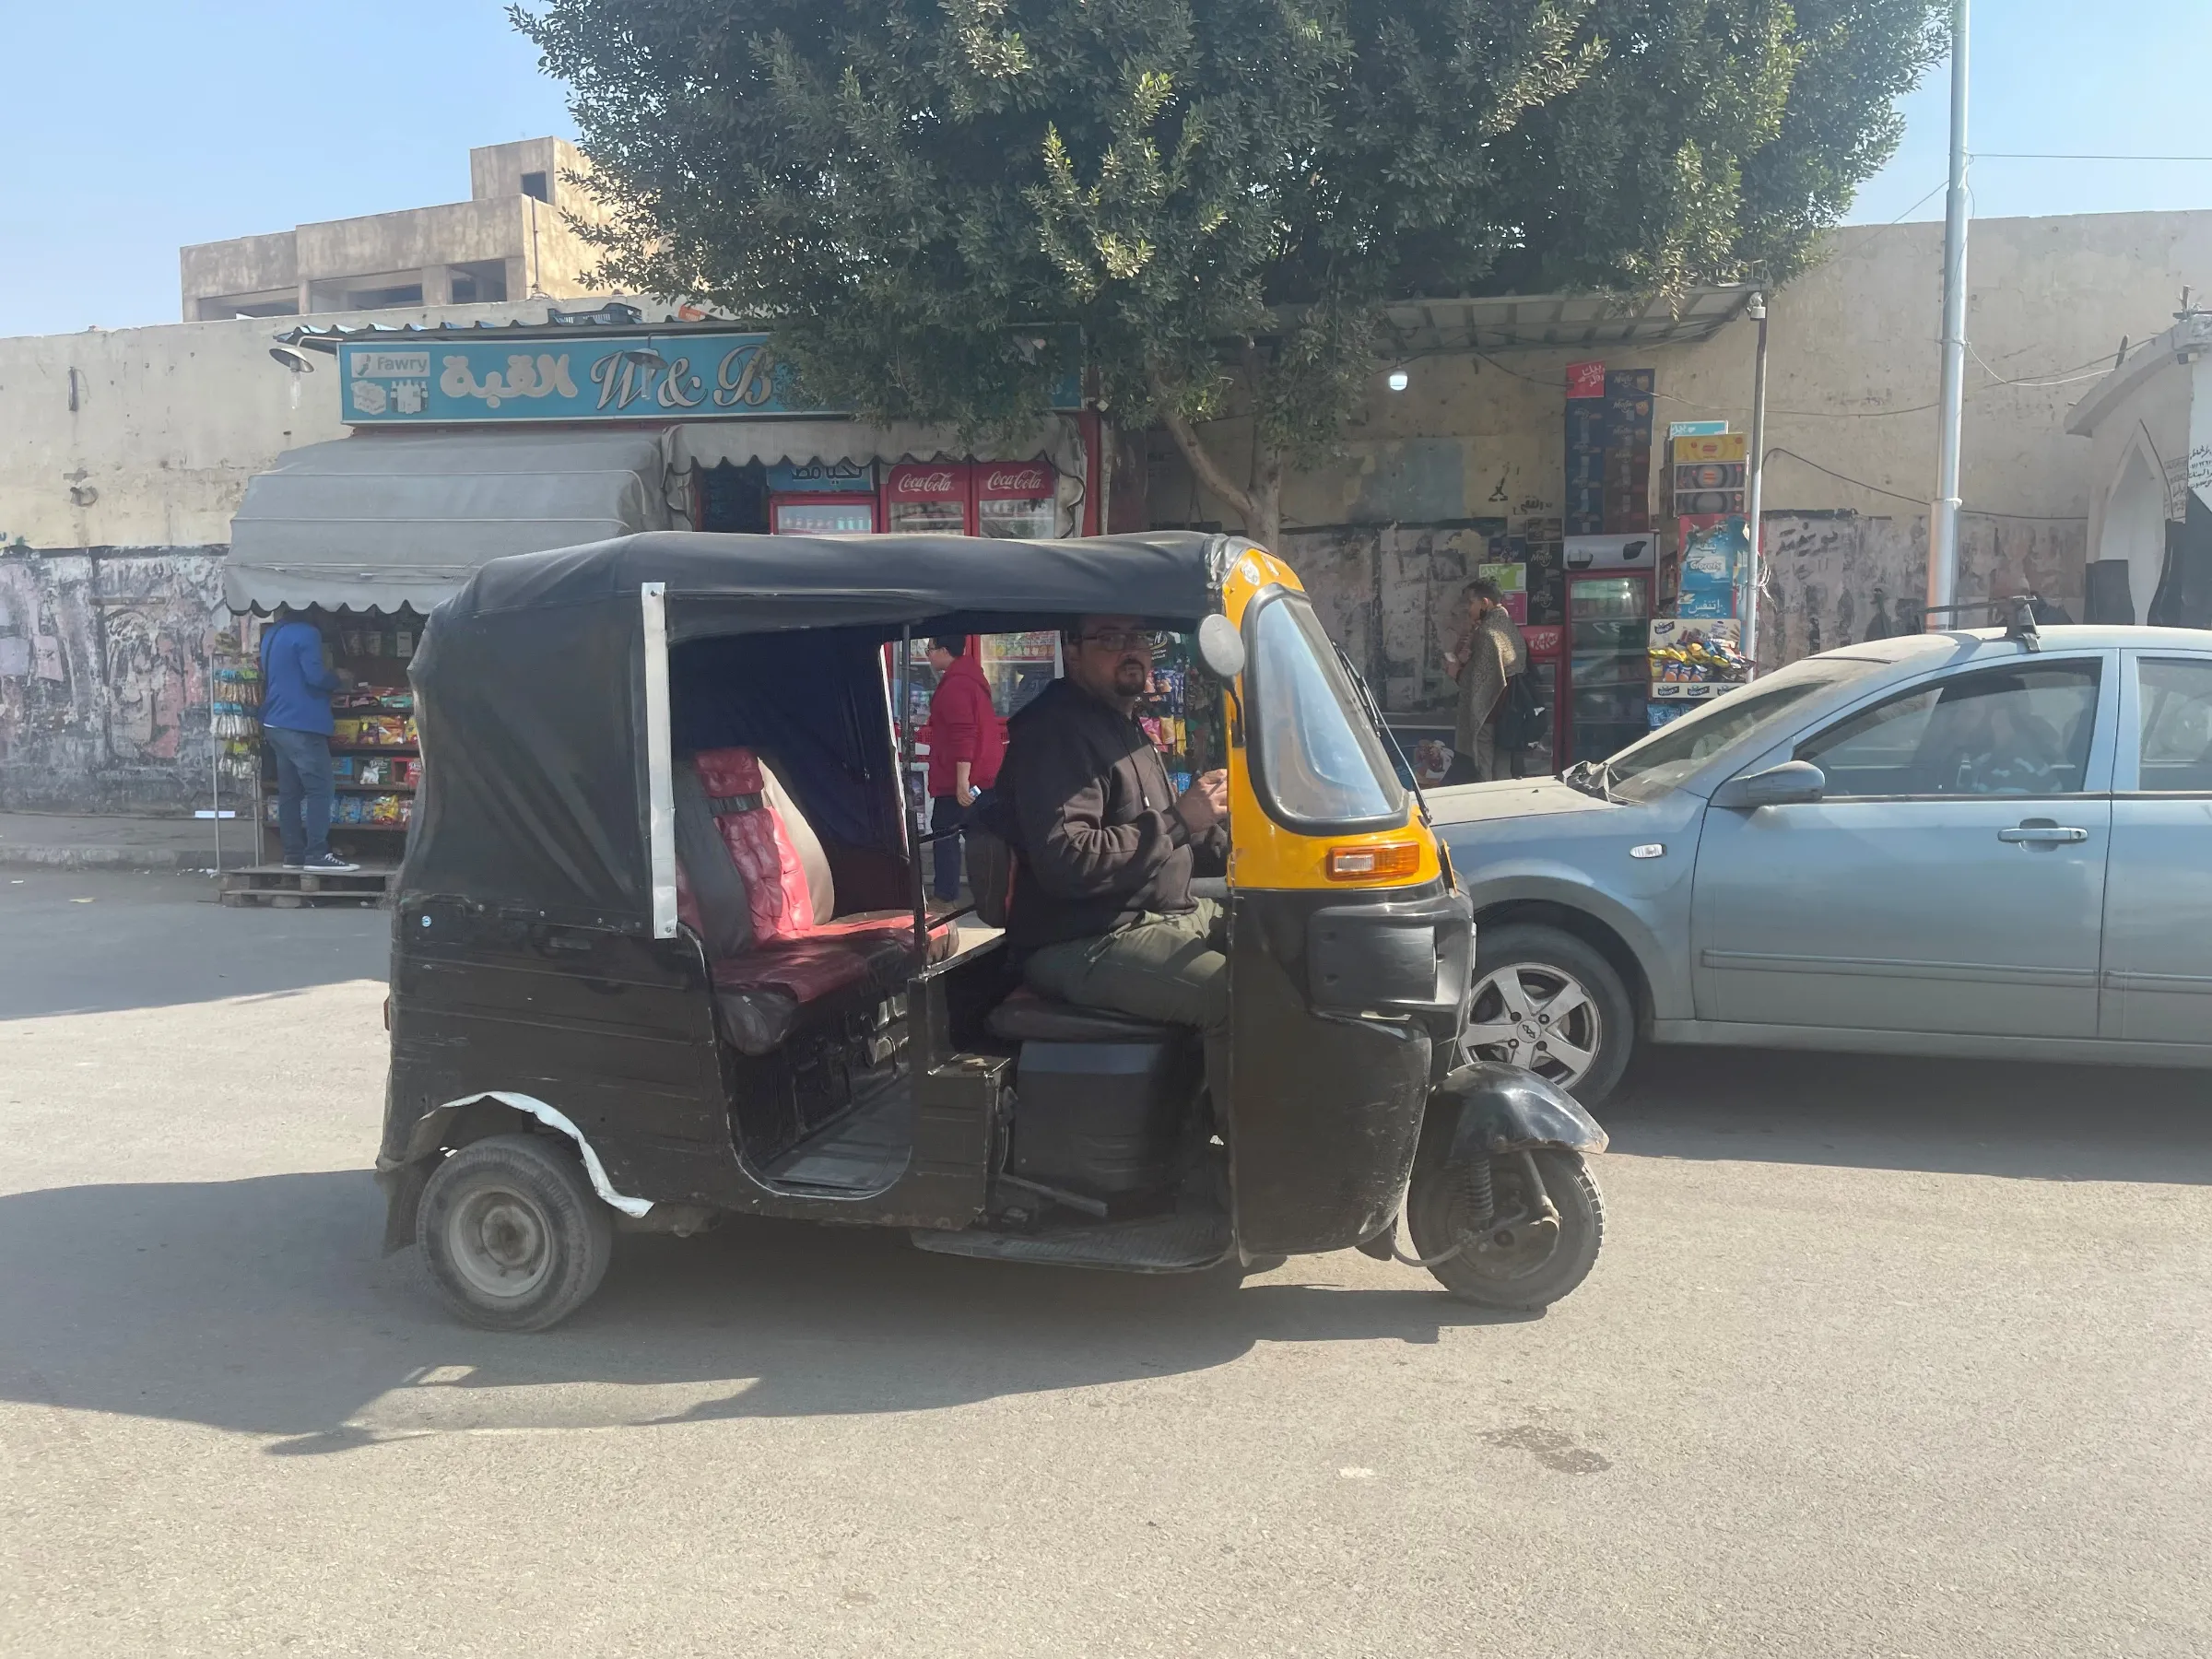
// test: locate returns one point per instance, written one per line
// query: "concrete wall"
(152, 443)
(1852, 380)
(244, 264)
(103, 679)
(497, 170)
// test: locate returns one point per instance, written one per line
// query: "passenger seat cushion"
(709, 894)
(764, 994)
(775, 882)
(820, 887)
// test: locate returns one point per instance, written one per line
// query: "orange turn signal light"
(1378, 861)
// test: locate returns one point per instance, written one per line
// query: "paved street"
(1893, 1359)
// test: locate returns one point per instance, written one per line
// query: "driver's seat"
(1028, 1015)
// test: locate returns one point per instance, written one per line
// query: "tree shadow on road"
(262, 1306)
(2030, 1120)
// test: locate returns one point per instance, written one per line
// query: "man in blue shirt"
(295, 722)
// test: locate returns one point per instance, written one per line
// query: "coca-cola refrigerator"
(1015, 498)
(818, 498)
(1607, 644)
(928, 498)
(1544, 642)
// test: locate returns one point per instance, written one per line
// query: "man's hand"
(964, 796)
(1205, 803)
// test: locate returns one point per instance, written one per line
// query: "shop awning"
(380, 520)
(708, 443)
(711, 443)
(1566, 322)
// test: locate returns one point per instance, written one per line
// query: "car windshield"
(1320, 761)
(1647, 770)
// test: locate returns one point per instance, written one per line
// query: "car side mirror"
(1220, 647)
(1792, 783)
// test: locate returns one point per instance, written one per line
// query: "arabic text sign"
(614, 376)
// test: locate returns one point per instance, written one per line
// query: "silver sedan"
(1964, 844)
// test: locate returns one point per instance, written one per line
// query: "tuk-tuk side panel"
(615, 1030)
(1326, 1107)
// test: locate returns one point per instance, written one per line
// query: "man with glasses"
(1103, 913)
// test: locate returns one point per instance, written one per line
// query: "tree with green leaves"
(939, 207)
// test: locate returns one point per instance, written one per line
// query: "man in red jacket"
(966, 742)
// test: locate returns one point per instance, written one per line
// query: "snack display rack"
(376, 763)
(1184, 726)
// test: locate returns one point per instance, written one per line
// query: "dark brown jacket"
(1086, 802)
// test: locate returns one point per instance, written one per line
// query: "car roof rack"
(2018, 610)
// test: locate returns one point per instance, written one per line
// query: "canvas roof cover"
(374, 522)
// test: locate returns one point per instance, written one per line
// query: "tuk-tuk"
(662, 954)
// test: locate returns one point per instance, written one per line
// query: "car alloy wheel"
(1538, 1016)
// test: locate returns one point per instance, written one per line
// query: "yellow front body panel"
(1266, 855)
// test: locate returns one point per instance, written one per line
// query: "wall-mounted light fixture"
(1399, 380)
(292, 358)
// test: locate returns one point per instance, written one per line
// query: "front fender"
(1494, 1108)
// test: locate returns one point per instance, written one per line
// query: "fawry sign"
(598, 377)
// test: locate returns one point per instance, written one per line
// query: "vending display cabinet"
(1607, 663)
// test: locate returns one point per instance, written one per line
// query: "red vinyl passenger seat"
(753, 882)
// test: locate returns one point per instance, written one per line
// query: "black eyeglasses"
(1121, 638)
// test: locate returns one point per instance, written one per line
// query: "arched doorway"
(2135, 527)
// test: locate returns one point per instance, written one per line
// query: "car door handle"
(2043, 835)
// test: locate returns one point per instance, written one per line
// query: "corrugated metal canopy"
(378, 522)
(1565, 322)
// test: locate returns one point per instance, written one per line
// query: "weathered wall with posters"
(1390, 594)
(103, 678)
(1833, 579)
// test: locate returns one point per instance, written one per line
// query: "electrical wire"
(2062, 155)
(2039, 518)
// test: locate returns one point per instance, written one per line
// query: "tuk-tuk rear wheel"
(512, 1235)
(1524, 1258)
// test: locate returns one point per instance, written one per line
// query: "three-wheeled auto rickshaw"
(661, 952)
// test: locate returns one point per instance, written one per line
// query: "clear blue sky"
(135, 126)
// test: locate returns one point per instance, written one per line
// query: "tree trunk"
(1260, 505)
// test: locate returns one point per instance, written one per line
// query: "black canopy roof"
(726, 584)
(530, 679)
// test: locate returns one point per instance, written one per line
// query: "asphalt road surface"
(1894, 1360)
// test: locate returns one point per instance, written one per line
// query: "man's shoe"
(330, 863)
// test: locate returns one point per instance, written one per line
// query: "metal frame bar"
(917, 831)
(660, 760)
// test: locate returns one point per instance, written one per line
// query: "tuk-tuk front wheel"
(512, 1234)
(1523, 1238)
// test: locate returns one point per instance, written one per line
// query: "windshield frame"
(1814, 678)
(1375, 743)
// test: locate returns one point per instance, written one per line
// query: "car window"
(1649, 768)
(2176, 734)
(2020, 730)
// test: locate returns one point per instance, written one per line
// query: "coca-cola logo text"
(923, 484)
(1016, 481)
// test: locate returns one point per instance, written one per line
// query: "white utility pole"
(1755, 471)
(1943, 513)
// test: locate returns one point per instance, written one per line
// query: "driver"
(1101, 913)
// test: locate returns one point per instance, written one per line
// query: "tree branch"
(1201, 460)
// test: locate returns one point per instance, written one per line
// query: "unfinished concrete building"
(513, 239)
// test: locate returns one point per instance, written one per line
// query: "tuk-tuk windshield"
(1318, 763)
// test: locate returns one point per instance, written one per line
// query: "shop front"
(472, 443)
